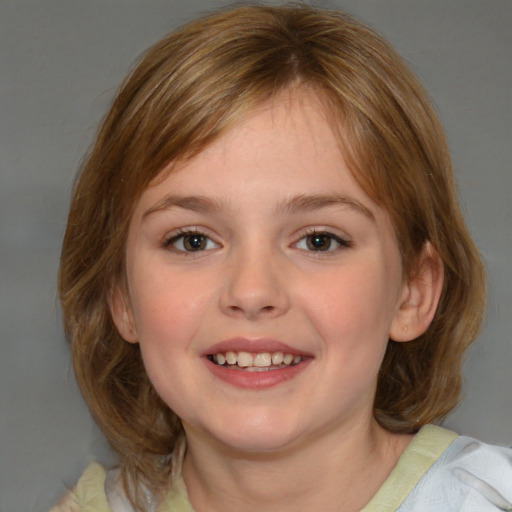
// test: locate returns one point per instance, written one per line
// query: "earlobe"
(122, 315)
(420, 297)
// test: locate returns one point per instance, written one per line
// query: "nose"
(255, 286)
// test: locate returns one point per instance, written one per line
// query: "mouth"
(255, 362)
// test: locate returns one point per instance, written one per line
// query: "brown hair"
(190, 88)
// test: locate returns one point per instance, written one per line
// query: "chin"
(253, 437)
(259, 445)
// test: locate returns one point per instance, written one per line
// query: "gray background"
(61, 62)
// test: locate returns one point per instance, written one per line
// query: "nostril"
(252, 311)
(263, 309)
(252, 298)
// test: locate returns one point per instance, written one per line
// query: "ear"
(122, 315)
(420, 297)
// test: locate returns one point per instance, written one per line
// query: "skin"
(309, 442)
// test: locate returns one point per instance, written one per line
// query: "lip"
(255, 380)
(254, 346)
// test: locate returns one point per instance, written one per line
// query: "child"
(267, 282)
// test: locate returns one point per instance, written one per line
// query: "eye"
(321, 241)
(190, 241)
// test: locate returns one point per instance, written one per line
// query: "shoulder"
(88, 494)
(468, 476)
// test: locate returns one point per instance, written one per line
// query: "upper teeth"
(259, 360)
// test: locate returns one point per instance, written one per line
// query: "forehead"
(284, 139)
(283, 158)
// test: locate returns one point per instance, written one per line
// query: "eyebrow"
(312, 202)
(294, 205)
(199, 204)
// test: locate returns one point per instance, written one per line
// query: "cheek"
(167, 314)
(353, 319)
(168, 306)
(356, 300)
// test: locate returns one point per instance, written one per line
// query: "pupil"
(319, 242)
(194, 242)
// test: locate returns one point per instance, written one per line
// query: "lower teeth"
(256, 368)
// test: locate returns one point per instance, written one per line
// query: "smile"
(255, 362)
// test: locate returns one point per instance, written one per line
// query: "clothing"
(438, 472)
(442, 472)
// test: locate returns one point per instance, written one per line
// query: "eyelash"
(182, 234)
(342, 242)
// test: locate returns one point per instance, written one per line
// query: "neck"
(346, 467)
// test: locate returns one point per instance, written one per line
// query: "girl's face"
(263, 284)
